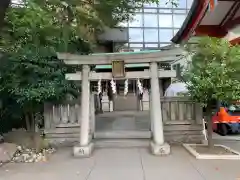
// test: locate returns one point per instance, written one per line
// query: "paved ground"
(125, 164)
(230, 137)
(123, 120)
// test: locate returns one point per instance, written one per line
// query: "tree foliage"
(213, 72)
(213, 75)
(30, 72)
(38, 25)
(35, 30)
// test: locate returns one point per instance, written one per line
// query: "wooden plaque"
(118, 69)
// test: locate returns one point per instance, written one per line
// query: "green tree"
(30, 73)
(35, 30)
(212, 75)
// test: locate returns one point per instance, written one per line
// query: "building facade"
(155, 24)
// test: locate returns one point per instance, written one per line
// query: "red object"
(192, 25)
(200, 11)
(235, 41)
(223, 117)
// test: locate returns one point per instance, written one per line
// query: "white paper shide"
(113, 85)
(99, 86)
(126, 87)
(140, 87)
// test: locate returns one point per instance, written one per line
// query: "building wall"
(155, 25)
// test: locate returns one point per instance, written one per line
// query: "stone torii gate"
(158, 145)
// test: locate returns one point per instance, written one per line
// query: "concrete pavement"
(230, 137)
(125, 164)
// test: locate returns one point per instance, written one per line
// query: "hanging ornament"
(140, 88)
(99, 86)
(113, 85)
(125, 87)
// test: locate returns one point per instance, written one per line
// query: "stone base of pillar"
(160, 150)
(205, 142)
(83, 151)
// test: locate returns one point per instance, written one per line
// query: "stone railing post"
(48, 116)
(198, 113)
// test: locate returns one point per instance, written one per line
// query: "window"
(165, 20)
(137, 49)
(163, 45)
(150, 20)
(151, 35)
(148, 45)
(137, 45)
(165, 10)
(165, 4)
(165, 35)
(151, 49)
(147, 10)
(137, 21)
(179, 11)
(181, 4)
(189, 3)
(175, 31)
(178, 20)
(150, 5)
(135, 34)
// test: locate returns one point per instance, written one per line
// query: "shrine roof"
(214, 18)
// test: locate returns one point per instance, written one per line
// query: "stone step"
(122, 143)
(115, 114)
(122, 135)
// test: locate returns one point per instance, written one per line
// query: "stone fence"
(175, 109)
(62, 115)
(182, 119)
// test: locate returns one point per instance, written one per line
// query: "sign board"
(118, 69)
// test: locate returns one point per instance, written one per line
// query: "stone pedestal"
(160, 150)
(145, 101)
(105, 102)
(83, 151)
(205, 142)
